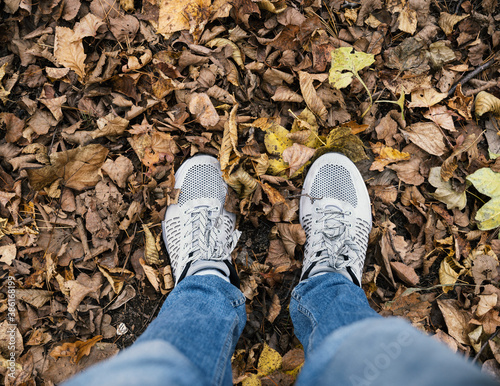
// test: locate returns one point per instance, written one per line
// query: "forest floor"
(101, 101)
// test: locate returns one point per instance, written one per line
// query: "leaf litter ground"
(101, 102)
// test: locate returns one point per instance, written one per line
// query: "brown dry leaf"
(87, 26)
(486, 102)
(293, 359)
(428, 137)
(77, 168)
(110, 125)
(124, 28)
(203, 109)
(486, 303)
(152, 275)
(76, 350)
(405, 273)
(116, 276)
(119, 170)
(68, 50)
(426, 98)
(229, 139)
(386, 155)
(151, 254)
(291, 235)
(10, 336)
(314, 103)
(274, 310)
(284, 94)
(190, 15)
(7, 253)
(37, 298)
(39, 337)
(54, 105)
(461, 103)
(457, 319)
(297, 156)
(274, 196)
(242, 182)
(441, 116)
(78, 289)
(448, 21)
(450, 164)
(407, 20)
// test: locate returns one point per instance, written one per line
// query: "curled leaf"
(242, 182)
(485, 102)
(236, 55)
(151, 254)
(447, 21)
(229, 139)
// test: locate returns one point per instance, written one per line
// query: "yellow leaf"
(277, 167)
(190, 15)
(251, 380)
(485, 102)
(386, 156)
(449, 272)
(151, 274)
(344, 60)
(306, 122)
(341, 140)
(269, 361)
(487, 182)
(68, 50)
(151, 254)
(276, 139)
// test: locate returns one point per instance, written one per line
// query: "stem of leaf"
(368, 91)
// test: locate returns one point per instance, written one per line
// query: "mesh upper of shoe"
(335, 235)
(198, 227)
(202, 181)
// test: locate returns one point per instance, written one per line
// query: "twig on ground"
(471, 75)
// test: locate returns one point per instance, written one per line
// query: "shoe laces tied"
(336, 244)
(205, 224)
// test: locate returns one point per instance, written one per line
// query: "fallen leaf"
(344, 60)
(427, 136)
(456, 319)
(190, 15)
(37, 298)
(116, 276)
(151, 254)
(269, 361)
(426, 98)
(276, 139)
(291, 236)
(487, 182)
(119, 170)
(386, 155)
(203, 109)
(297, 156)
(229, 139)
(445, 192)
(486, 102)
(313, 102)
(68, 50)
(7, 253)
(77, 350)
(448, 21)
(405, 273)
(77, 168)
(274, 310)
(441, 116)
(486, 303)
(110, 125)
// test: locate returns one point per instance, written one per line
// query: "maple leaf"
(487, 182)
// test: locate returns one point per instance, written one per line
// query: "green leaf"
(344, 60)
(487, 182)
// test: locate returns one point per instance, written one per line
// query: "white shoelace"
(205, 225)
(336, 244)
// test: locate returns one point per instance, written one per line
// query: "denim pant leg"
(190, 342)
(347, 343)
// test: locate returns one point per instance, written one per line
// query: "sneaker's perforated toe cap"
(202, 181)
(334, 181)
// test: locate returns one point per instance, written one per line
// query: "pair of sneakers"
(334, 211)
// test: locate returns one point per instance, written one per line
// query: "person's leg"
(192, 339)
(189, 343)
(345, 341)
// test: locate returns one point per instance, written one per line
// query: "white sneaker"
(198, 232)
(335, 213)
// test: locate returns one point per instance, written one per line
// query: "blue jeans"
(346, 342)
